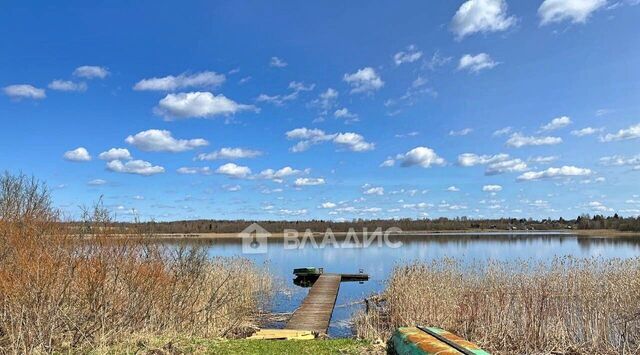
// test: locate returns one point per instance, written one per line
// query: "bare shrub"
(572, 306)
(63, 287)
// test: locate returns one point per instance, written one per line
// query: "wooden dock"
(314, 313)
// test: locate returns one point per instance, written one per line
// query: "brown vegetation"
(571, 306)
(58, 291)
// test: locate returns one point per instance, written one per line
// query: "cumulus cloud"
(462, 132)
(496, 164)
(137, 167)
(198, 104)
(115, 154)
(374, 191)
(543, 159)
(633, 132)
(229, 154)
(364, 80)
(619, 160)
(476, 63)
(328, 205)
(576, 11)
(389, 162)
(481, 16)
(345, 114)
(308, 137)
(91, 72)
(517, 140)
(155, 140)
(420, 156)
(326, 100)
(565, 171)
(192, 171)
(279, 174)
(453, 189)
(502, 131)
(587, 131)
(67, 85)
(79, 154)
(234, 171)
(277, 62)
(491, 188)
(557, 123)
(409, 56)
(24, 91)
(599, 206)
(309, 181)
(184, 80)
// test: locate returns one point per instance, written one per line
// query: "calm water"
(379, 261)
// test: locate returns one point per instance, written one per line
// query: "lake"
(378, 262)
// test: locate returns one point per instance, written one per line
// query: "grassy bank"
(241, 346)
(569, 307)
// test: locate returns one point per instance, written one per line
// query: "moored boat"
(430, 341)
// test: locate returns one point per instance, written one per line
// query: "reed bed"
(568, 306)
(75, 290)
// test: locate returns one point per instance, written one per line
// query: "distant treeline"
(440, 224)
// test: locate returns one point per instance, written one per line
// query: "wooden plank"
(314, 313)
(282, 334)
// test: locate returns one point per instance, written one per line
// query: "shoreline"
(591, 233)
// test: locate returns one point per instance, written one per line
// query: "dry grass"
(586, 306)
(59, 292)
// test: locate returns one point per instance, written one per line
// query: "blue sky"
(330, 110)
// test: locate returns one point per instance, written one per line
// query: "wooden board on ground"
(315, 312)
(282, 334)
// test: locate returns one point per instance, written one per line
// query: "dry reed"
(60, 290)
(568, 306)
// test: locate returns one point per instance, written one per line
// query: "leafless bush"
(571, 306)
(62, 288)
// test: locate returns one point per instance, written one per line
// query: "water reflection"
(378, 262)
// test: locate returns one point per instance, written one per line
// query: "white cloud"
(309, 137)
(420, 156)
(328, 205)
(24, 91)
(543, 159)
(388, 163)
(277, 62)
(557, 123)
(309, 181)
(496, 164)
(453, 189)
(502, 131)
(192, 171)
(517, 140)
(587, 131)
(232, 188)
(619, 160)
(364, 80)
(115, 154)
(97, 182)
(184, 80)
(565, 171)
(462, 132)
(67, 85)
(155, 140)
(633, 132)
(481, 16)
(91, 72)
(138, 167)
(279, 174)
(491, 188)
(198, 104)
(411, 55)
(471, 159)
(230, 154)
(326, 100)
(374, 191)
(279, 100)
(346, 115)
(79, 154)
(476, 63)
(599, 207)
(577, 11)
(233, 170)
